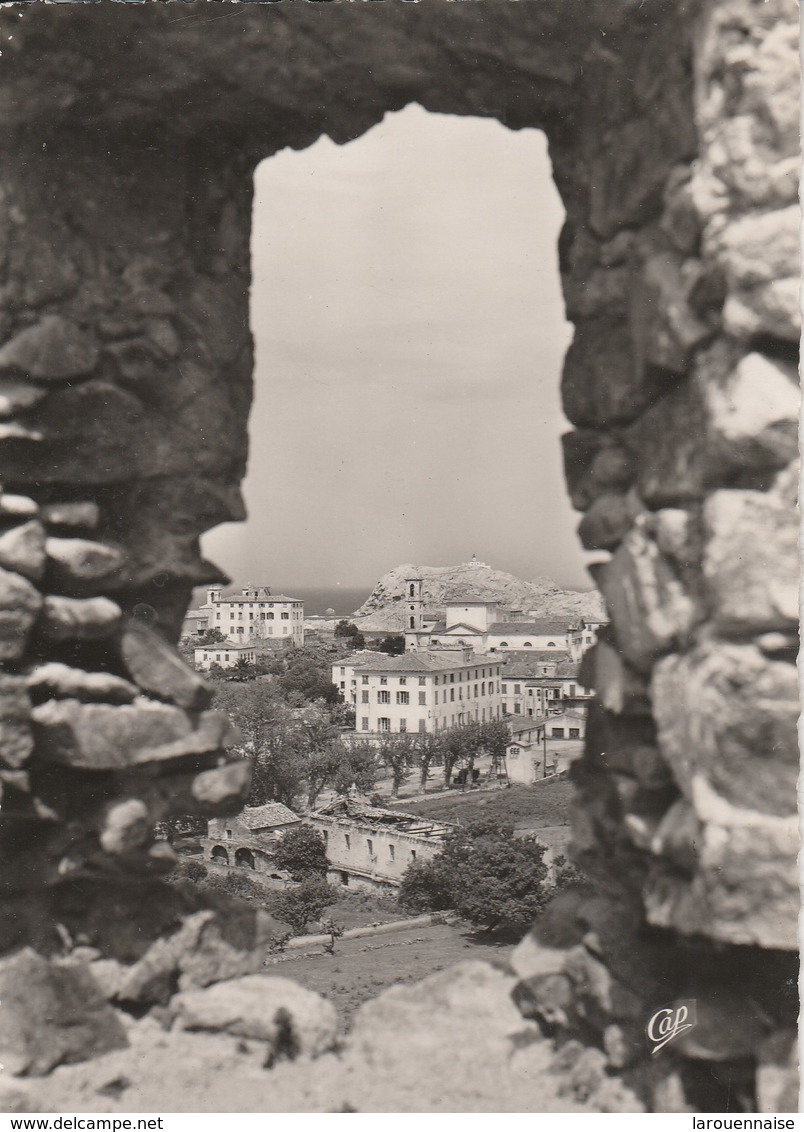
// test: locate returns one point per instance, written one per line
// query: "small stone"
(22, 549)
(613, 1095)
(664, 327)
(126, 826)
(619, 687)
(292, 1020)
(78, 561)
(157, 668)
(751, 560)
(52, 1015)
(16, 430)
(67, 618)
(587, 1074)
(546, 998)
(109, 974)
(753, 414)
(727, 714)
(600, 998)
(60, 681)
(86, 515)
(18, 507)
(214, 733)
(103, 736)
(678, 837)
(16, 738)
(650, 608)
(606, 523)
(223, 786)
(206, 949)
(20, 602)
(16, 396)
(161, 333)
(53, 349)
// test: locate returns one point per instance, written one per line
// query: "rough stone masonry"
(129, 137)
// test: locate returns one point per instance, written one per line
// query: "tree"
(270, 740)
(310, 676)
(426, 749)
(346, 629)
(358, 769)
(488, 876)
(396, 753)
(426, 886)
(302, 853)
(393, 644)
(243, 668)
(303, 902)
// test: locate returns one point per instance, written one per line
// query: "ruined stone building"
(129, 137)
(370, 847)
(248, 838)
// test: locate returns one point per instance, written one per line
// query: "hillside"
(384, 608)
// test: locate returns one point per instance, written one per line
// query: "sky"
(409, 332)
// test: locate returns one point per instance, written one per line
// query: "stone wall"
(128, 138)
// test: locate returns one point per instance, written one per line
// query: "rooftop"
(517, 725)
(415, 662)
(539, 628)
(270, 814)
(242, 598)
(356, 810)
(530, 664)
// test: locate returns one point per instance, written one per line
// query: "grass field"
(526, 807)
(361, 969)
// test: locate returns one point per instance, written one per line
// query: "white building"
(256, 614)
(223, 654)
(418, 692)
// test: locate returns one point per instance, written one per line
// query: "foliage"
(489, 877)
(279, 941)
(346, 629)
(396, 753)
(309, 675)
(190, 870)
(393, 644)
(358, 768)
(462, 745)
(426, 886)
(303, 902)
(334, 930)
(302, 853)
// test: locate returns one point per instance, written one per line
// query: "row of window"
(262, 617)
(370, 847)
(550, 693)
(443, 724)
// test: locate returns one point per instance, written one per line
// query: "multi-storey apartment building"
(256, 614)
(541, 684)
(419, 692)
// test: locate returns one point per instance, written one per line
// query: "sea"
(343, 599)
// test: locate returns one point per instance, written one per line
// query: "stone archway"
(244, 858)
(125, 362)
(219, 854)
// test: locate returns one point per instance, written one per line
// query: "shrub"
(304, 902)
(302, 853)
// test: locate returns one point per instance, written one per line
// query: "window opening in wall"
(422, 247)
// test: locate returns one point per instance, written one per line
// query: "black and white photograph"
(399, 561)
